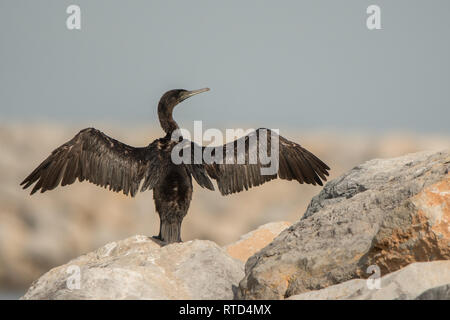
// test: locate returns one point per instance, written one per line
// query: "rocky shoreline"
(389, 215)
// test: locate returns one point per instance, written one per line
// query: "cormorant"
(93, 156)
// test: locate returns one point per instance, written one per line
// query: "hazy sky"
(293, 64)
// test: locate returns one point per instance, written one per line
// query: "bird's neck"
(166, 120)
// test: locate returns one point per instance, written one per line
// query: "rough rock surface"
(437, 293)
(139, 268)
(255, 240)
(408, 283)
(385, 212)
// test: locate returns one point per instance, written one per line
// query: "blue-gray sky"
(294, 64)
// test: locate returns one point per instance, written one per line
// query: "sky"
(278, 64)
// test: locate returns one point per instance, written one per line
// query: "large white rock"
(407, 283)
(139, 268)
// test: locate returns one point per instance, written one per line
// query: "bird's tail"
(170, 231)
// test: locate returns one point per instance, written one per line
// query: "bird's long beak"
(189, 94)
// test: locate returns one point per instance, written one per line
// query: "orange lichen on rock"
(425, 238)
(434, 203)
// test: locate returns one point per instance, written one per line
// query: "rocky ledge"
(140, 268)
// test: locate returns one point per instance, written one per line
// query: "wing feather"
(93, 156)
(294, 163)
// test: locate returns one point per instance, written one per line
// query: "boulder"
(255, 240)
(408, 283)
(140, 268)
(385, 213)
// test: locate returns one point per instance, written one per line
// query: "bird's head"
(173, 97)
(168, 101)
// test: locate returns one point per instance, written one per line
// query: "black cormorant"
(93, 156)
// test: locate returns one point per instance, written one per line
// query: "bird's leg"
(170, 230)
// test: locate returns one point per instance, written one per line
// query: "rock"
(139, 268)
(385, 212)
(406, 283)
(252, 242)
(437, 293)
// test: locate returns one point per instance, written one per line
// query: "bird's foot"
(159, 241)
(164, 242)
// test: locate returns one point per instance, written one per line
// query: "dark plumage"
(97, 158)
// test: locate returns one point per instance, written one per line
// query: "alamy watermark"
(373, 21)
(73, 21)
(73, 281)
(374, 281)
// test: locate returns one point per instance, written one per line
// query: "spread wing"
(106, 162)
(241, 168)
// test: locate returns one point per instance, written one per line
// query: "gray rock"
(438, 293)
(385, 212)
(139, 268)
(406, 283)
